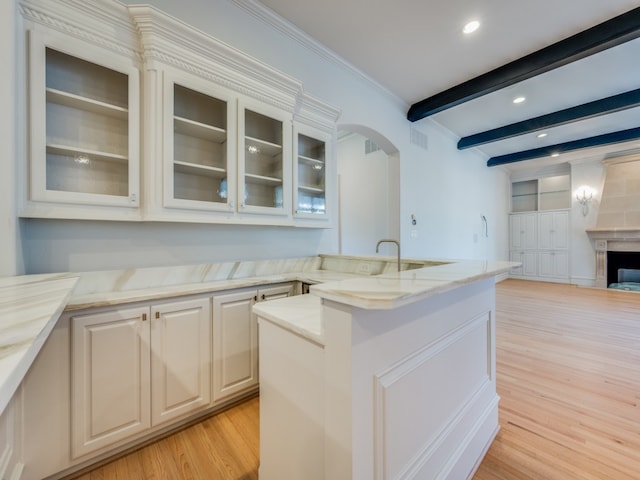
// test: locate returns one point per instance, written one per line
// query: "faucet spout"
(389, 240)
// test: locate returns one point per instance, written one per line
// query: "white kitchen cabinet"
(235, 338)
(312, 174)
(180, 358)
(524, 231)
(553, 230)
(83, 130)
(110, 377)
(540, 241)
(199, 144)
(135, 368)
(529, 261)
(553, 265)
(264, 160)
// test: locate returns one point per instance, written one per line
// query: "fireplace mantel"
(612, 240)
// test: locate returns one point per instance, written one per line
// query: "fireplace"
(623, 270)
(616, 235)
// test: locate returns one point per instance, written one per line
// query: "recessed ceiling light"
(471, 27)
(555, 154)
(519, 100)
(542, 135)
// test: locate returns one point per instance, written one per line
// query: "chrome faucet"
(390, 240)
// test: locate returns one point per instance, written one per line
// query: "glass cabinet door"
(311, 173)
(84, 126)
(199, 150)
(264, 161)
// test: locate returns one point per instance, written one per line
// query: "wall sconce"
(584, 199)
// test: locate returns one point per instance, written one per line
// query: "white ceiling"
(415, 48)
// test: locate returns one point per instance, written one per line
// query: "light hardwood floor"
(568, 374)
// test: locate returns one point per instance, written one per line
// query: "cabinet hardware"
(255, 298)
(157, 314)
(144, 317)
(263, 296)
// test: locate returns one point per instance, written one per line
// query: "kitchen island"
(380, 377)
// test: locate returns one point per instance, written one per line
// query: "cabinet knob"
(263, 296)
(255, 298)
(144, 317)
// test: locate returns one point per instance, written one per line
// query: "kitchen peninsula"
(380, 377)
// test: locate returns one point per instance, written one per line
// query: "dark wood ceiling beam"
(603, 36)
(585, 111)
(596, 141)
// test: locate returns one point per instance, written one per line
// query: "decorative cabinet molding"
(201, 102)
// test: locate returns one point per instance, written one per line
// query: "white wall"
(583, 260)
(446, 189)
(365, 200)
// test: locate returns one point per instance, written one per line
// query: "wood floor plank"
(568, 374)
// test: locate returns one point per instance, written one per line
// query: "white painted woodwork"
(523, 228)
(110, 377)
(84, 129)
(235, 338)
(180, 358)
(293, 365)
(312, 173)
(540, 241)
(11, 466)
(264, 159)
(387, 405)
(553, 230)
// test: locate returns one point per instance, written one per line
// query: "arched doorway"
(368, 189)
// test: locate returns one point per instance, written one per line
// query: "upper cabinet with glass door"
(264, 160)
(84, 131)
(311, 157)
(199, 148)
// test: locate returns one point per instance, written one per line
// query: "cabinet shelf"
(263, 147)
(310, 161)
(202, 170)
(83, 152)
(310, 189)
(86, 104)
(262, 180)
(192, 128)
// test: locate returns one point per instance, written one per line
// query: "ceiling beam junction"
(603, 36)
(596, 141)
(604, 106)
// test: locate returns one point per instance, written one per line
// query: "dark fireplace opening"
(623, 270)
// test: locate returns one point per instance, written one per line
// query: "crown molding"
(170, 41)
(275, 21)
(316, 113)
(101, 22)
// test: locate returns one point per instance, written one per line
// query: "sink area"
(361, 265)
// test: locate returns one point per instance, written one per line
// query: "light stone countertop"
(29, 309)
(303, 314)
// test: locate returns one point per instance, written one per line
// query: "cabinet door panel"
(180, 358)
(110, 378)
(235, 344)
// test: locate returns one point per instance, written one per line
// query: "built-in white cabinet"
(84, 130)
(312, 154)
(264, 159)
(134, 368)
(215, 126)
(545, 193)
(110, 377)
(199, 145)
(235, 338)
(540, 241)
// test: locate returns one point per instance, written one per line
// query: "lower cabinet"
(553, 265)
(108, 377)
(135, 368)
(529, 267)
(235, 338)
